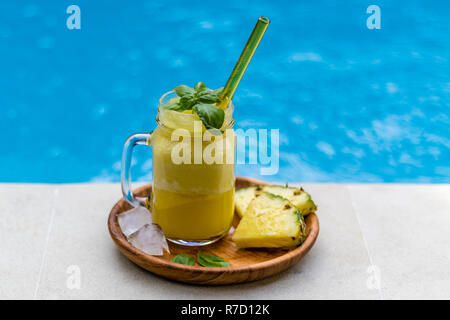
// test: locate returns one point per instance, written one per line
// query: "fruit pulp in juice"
(191, 202)
(193, 216)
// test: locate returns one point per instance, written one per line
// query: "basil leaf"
(187, 101)
(175, 106)
(211, 116)
(207, 97)
(183, 259)
(217, 92)
(209, 260)
(183, 90)
(200, 87)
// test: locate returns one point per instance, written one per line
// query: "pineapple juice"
(192, 202)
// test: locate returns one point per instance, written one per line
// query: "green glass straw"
(244, 60)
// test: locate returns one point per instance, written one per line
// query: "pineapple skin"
(270, 221)
(301, 199)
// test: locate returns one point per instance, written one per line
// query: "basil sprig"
(209, 260)
(202, 101)
(184, 259)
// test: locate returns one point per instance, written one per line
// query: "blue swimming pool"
(352, 104)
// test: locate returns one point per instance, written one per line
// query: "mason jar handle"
(125, 173)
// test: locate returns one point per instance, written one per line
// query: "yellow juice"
(191, 201)
(193, 216)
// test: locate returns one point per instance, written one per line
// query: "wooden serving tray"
(246, 264)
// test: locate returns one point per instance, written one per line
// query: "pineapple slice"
(301, 199)
(242, 199)
(270, 221)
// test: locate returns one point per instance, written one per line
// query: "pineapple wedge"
(301, 199)
(242, 199)
(270, 221)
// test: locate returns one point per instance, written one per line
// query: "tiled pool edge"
(360, 202)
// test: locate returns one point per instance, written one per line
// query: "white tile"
(407, 228)
(24, 222)
(80, 238)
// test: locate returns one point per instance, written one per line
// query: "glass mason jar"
(193, 175)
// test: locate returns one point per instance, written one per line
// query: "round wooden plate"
(246, 264)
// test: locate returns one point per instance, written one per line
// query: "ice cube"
(132, 220)
(150, 239)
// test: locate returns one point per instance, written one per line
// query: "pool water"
(351, 104)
